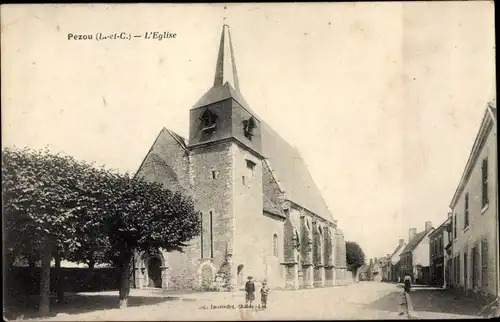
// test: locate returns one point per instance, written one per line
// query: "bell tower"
(226, 169)
(222, 113)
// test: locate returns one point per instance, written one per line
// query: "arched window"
(275, 245)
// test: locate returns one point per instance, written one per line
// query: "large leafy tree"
(57, 206)
(141, 215)
(355, 257)
(44, 201)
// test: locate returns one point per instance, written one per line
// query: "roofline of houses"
(486, 125)
(418, 243)
(440, 226)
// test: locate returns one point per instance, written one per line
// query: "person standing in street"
(264, 291)
(407, 282)
(250, 291)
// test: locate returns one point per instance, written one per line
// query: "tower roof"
(226, 83)
(225, 70)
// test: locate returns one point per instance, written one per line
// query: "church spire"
(225, 70)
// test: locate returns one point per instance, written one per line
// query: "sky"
(383, 100)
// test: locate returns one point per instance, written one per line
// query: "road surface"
(363, 300)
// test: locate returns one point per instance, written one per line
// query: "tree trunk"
(44, 306)
(126, 267)
(354, 274)
(59, 284)
(91, 264)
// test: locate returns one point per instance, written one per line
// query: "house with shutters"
(438, 240)
(474, 214)
(261, 213)
(390, 269)
(414, 259)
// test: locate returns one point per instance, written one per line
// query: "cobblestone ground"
(364, 300)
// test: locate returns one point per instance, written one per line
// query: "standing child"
(263, 294)
(250, 291)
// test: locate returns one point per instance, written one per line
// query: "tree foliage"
(43, 202)
(354, 255)
(88, 214)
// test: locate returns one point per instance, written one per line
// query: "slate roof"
(414, 242)
(396, 251)
(292, 174)
(220, 93)
(272, 208)
(287, 165)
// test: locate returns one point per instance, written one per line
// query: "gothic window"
(207, 243)
(248, 127)
(484, 182)
(201, 233)
(215, 174)
(275, 245)
(211, 236)
(208, 119)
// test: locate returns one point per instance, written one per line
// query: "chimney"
(388, 255)
(401, 241)
(428, 226)
(413, 232)
(375, 260)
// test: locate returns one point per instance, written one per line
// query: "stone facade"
(474, 254)
(250, 223)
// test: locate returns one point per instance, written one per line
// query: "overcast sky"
(383, 100)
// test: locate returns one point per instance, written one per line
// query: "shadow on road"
(446, 301)
(76, 304)
(392, 302)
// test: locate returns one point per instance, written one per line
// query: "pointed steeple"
(226, 84)
(225, 70)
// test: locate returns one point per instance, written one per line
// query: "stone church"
(261, 212)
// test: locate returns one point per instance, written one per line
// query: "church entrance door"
(241, 277)
(154, 272)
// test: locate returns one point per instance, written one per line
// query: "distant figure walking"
(264, 291)
(250, 291)
(407, 283)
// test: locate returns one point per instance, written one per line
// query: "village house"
(438, 239)
(474, 208)
(365, 272)
(390, 270)
(261, 213)
(414, 259)
(378, 263)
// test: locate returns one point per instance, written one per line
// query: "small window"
(484, 183)
(215, 174)
(243, 179)
(275, 245)
(250, 168)
(455, 226)
(466, 211)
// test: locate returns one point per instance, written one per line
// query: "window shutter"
(484, 263)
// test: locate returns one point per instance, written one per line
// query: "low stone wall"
(26, 280)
